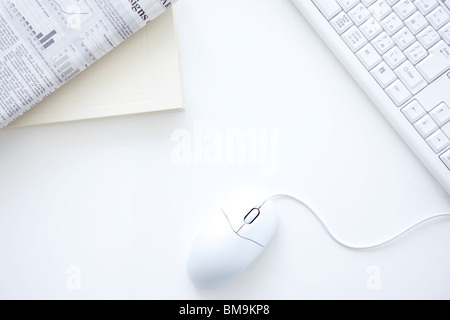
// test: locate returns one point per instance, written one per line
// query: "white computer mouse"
(229, 243)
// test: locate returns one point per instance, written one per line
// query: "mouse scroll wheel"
(251, 216)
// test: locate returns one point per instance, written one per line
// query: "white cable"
(440, 215)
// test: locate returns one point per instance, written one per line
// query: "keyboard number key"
(398, 93)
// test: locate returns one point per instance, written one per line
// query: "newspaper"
(46, 43)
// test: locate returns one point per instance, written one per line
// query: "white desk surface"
(103, 209)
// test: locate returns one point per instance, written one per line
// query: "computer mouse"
(232, 239)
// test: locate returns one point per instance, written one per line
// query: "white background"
(105, 209)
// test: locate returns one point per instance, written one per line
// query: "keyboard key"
(392, 2)
(437, 62)
(438, 141)
(438, 18)
(383, 74)
(445, 33)
(426, 126)
(416, 23)
(441, 114)
(404, 45)
(394, 57)
(425, 6)
(371, 28)
(354, 39)
(359, 14)
(329, 8)
(411, 77)
(446, 129)
(405, 8)
(383, 43)
(368, 3)
(416, 52)
(347, 4)
(369, 56)
(341, 22)
(446, 158)
(414, 111)
(398, 93)
(380, 10)
(428, 37)
(392, 23)
(404, 38)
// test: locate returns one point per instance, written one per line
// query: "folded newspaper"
(46, 43)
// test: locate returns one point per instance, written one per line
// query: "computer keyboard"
(398, 51)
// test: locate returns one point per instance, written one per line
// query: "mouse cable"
(440, 215)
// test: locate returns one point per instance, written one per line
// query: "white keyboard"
(398, 51)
